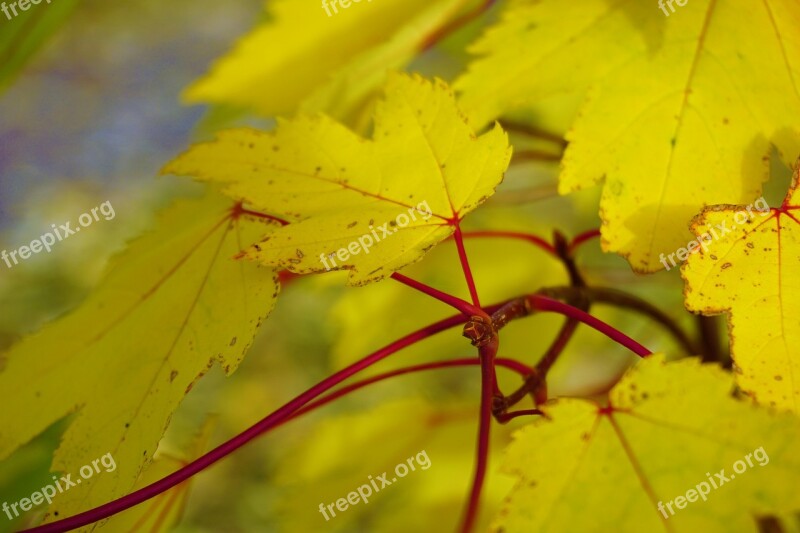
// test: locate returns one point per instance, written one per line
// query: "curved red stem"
(529, 237)
(543, 303)
(505, 417)
(462, 256)
(461, 305)
(511, 364)
(269, 422)
(456, 24)
(289, 409)
(582, 238)
(488, 389)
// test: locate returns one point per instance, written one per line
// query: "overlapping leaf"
(749, 269)
(673, 426)
(681, 111)
(400, 192)
(170, 306)
(327, 62)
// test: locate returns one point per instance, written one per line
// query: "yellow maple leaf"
(170, 306)
(675, 431)
(523, 57)
(328, 61)
(371, 206)
(748, 269)
(680, 111)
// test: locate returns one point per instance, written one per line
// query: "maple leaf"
(169, 307)
(747, 269)
(327, 63)
(680, 113)
(673, 426)
(384, 202)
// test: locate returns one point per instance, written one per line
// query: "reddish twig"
(533, 239)
(582, 238)
(456, 24)
(488, 351)
(535, 155)
(266, 424)
(543, 303)
(532, 131)
(481, 329)
(453, 301)
(527, 305)
(505, 417)
(510, 364)
(462, 256)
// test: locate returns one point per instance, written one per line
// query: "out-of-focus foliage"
(22, 36)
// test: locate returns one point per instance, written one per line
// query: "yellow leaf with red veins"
(171, 305)
(371, 206)
(750, 272)
(674, 431)
(679, 107)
